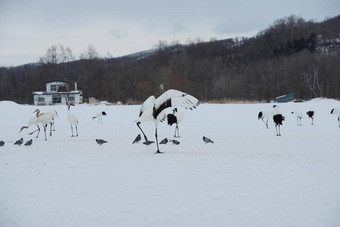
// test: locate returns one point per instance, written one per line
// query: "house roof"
(284, 96)
(56, 93)
(57, 82)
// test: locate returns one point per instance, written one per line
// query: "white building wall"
(42, 99)
(57, 84)
(63, 99)
(46, 98)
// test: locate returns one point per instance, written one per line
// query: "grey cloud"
(118, 34)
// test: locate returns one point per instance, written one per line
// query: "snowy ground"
(248, 177)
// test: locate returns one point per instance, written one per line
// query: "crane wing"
(147, 105)
(174, 98)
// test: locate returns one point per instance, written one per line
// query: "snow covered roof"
(54, 93)
(37, 92)
(57, 82)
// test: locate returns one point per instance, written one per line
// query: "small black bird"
(29, 142)
(19, 142)
(164, 141)
(175, 142)
(2, 143)
(207, 140)
(148, 142)
(137, 139)
(100, 141)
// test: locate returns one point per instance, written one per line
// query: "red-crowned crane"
(33, 121)
(153, 109)
(72, 119)
(310, 114)
(278, 118)
(264, 116)
(54, 114)
(175, 118)
(45, 119)
(99, 115)
(299, 116)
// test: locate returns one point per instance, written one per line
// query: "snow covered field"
(248, 177)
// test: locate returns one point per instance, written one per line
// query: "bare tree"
(312, 81)
(57, 54)
(90, 53)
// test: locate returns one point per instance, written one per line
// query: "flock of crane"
(154, 110)
(151, 110)
(278, 118)
(45, 119)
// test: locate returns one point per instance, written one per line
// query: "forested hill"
(292, 55)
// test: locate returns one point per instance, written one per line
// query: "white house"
(58, 93)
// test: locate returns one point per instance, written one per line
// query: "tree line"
(292, 55)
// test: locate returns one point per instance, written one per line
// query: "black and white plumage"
(264, 116)
(101, 141)
(278, 118)
(310, 114)
(299, 116)
(175, 118)
(2, 143)
(19, 142)
(99, 115)
(137, 139)
(336, 111)
(207, 140)
(29, 142)
(153, 109)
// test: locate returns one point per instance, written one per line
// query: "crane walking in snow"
(299, 116)
(310, 114)
(33, 121)
(53, 114)
(45, 119)
(153, 109)
(175, 118)
(99, 115)
(264, 116)
(278, 118)
(72, 119)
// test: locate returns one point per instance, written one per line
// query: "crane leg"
(157, 152)
(146, 139)
(45, 126)
(38, 131)
(177, 129)
(72, 130)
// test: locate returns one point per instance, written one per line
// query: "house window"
(63, 88)
(41, 99)
(56, 99)
(53, 87)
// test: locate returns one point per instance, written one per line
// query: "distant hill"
(290, 56)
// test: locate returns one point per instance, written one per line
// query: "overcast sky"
(119, 27)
